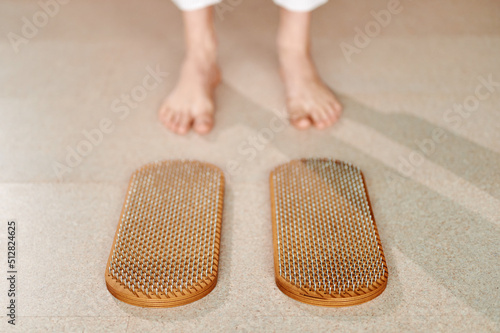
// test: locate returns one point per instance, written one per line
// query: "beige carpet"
(421, 90)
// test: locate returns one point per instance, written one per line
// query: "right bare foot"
(191, 102)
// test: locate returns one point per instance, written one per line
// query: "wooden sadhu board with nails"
(166, 248)
(327, 249)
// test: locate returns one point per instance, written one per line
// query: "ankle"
(203, 52)
(293, 53)
(296, 65)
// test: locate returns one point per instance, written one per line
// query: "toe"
(335, 104)
(203, 123)
(166, 117)
(332, 114)
(183, 123)
(319, 118)
(329, 116)
(301, 122)
(163, 113)
(174, 121)
(299, 118)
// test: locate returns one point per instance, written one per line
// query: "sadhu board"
(165, 251)
(327, 249)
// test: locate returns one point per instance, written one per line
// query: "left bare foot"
(309, 101)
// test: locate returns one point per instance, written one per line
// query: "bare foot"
(191, 103)
(309, 100)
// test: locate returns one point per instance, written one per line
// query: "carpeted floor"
(421, 91)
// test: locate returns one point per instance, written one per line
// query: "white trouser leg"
(195, 4)
(300, 5)
(293, 5)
